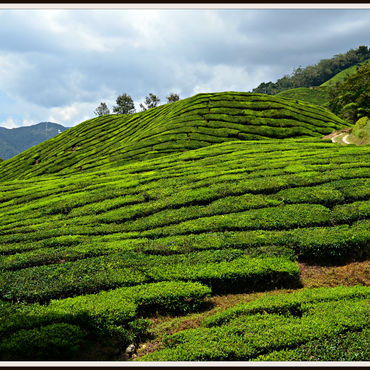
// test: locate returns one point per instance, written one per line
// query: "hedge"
(247, 337)
(55, 342)
(106, 308)
(287, 303)
(350, 346)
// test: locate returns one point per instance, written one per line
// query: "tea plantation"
(127, 217)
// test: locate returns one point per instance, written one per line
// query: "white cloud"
(9, 123)
(59, 65)
(72, 114)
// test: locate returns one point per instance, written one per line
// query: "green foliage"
(360, 133)
(107, 311)
(214, 268)
(343, 75)
(314, 95)
(173, 97)
(350, 346)
(125, 105)
(54, 342)
(246, 337)
(187, 124)
(102, 109)
(287, 304)
(151, 101)
(350, 99)
(315, 75)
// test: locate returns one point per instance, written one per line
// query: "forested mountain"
(315, 75)
(16, 140)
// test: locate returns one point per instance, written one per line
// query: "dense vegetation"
(202, 120)
(343, 75)
(16, 140)
(318, 95)
(278, 328)
(317, 74)
(351, 98)
(123, 217)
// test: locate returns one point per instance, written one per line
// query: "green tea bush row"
(100, 310)
(286, 217)
(51, 342)
(216, 268)
(239, 275)
(91, 275)
(66, 152)
(287, 303)
(350, 346)
(247, 337)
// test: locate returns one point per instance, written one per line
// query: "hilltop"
(16, 140)
(195, 122)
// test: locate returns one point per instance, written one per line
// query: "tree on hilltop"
(151, 101)
(173, 97)
(125, 105)
(102, 109)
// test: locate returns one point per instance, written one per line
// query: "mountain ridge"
(15, 140)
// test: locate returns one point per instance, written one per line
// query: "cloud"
(8, 123)
(60, 64)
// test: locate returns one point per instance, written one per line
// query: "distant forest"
(317, 74)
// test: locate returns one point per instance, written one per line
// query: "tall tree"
(102, 109)
(172, 98)
(350, 99)
(125, 105)
(151, 101)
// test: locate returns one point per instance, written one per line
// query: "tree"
(172, 98)
(350, 98)
(125, 105)
(102, 109)
(315, 75)
(151, 101)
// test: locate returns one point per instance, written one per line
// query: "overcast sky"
(58, 65)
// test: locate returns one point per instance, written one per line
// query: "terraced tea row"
(273, 327)
(199, 121)
(55, 331)
(130, 208)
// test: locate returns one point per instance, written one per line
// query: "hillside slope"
(199, 121)
(16, 140)
(343, 75)
(314, 95)
(94, 252)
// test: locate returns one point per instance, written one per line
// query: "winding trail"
(345, 139)
(339, 137)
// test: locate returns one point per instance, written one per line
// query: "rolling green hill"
(341, 76)
(238, 190)
(314, 95)
(192, 123)
(319, 94)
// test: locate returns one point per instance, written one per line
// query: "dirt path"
(345, 139)
(340, 137)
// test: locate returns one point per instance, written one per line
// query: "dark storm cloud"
(66, 62)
